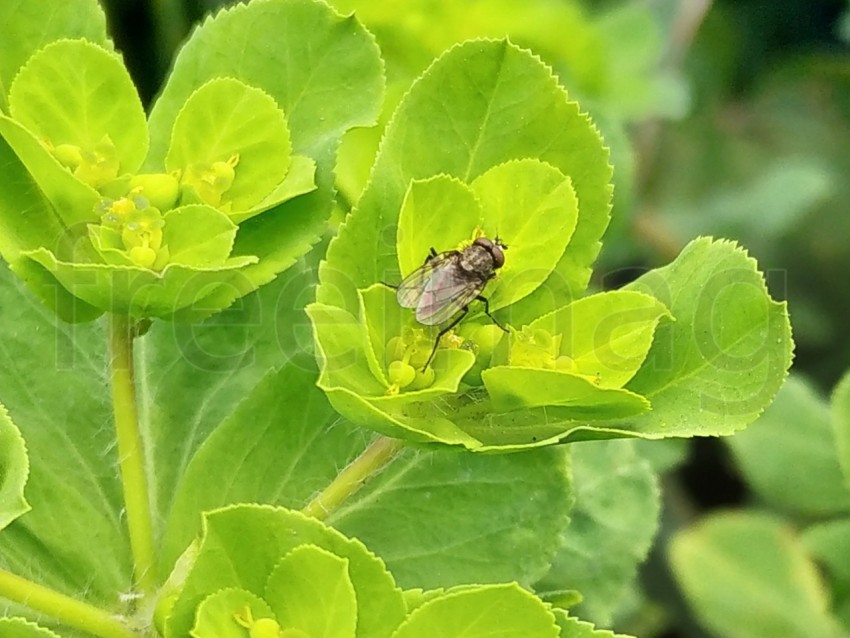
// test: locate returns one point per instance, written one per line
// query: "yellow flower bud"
(160, 189)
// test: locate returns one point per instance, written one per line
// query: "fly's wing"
(410, 290)
(446, 292)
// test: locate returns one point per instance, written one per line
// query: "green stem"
(373, 459)
(73, 613)
(131, 458)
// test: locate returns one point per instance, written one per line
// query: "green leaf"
(841, 424)
(20, 628)
(27, 218)
(228, 613)
(51, 382)
(252, 127)
(71, 201)
(241, 546)
(794, 432)
(475, 99)
(489, 611)
(479, 518)
(353, 390)
(322, 69)
(439, 212)
(301, 450)
(284, 457)
(382, 318)
(138, 291)
(576, 397)
(218, 364)
(526, 203)
(733, 564)
(14, 469)
(309, 590)
(829, 544)
(76, 92)
(298, 181)
(572, 627)
(198, 235)
(343, 351)
(716, 368)
(532, 207)
(613, 523)
(607, 336)
(28, 26)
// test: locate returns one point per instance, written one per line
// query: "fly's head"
(485, 256)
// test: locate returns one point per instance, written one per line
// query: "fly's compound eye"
(498, 255)
(484, 242)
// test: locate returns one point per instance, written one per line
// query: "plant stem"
(373, 459)
(131, 458)
(73, 613)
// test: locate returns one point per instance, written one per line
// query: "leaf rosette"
(268, 571)
(486, 143)
(92, 231)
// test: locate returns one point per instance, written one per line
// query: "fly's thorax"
(477, 260)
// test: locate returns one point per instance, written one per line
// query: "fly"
(448, 282)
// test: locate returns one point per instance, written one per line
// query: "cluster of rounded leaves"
(111, 228)
(272, 572)
(538, 179)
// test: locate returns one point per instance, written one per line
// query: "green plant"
(194, 232)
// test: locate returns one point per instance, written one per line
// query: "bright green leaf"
(14, 469)
(322, 69)
(383, 319)
(736, 568)
(489, 611)
(343, 351)
(241, 546)
(795, 431)
(30, 25)
(138, 291)
(475, 100)
(229, 613)
(578, 397)
(27, 218)
(716, 368)
(532, 207)
(439, 212)
(612, 525)
(606, 336)
(251, 128)
(309, 590)
(198, 235)
(21, 628)
(72, 201)
(76, 92)
(298, 181)
(572, 627)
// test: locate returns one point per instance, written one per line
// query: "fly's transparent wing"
(410, 290)
(446, 292)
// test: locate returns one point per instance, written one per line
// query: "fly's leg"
(487, 312)
(384, 283)
(442, 332)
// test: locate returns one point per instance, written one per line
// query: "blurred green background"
(729, 118)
